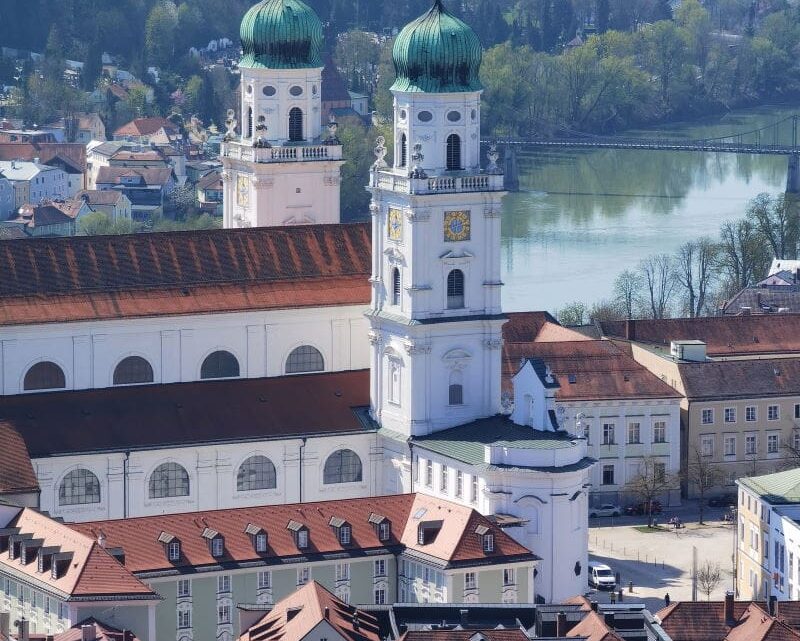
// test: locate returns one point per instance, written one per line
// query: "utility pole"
(694, 573)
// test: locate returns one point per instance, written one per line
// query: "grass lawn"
(650, 530)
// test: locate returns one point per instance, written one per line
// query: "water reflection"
(582, 216)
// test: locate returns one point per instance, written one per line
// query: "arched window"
(220, 364)
(455, 289)
(44, 375)
(343, 466)
(296, 124)
(305, 359)
(249, 122)
(256, 473)
(456, 389)
(453, 152)
(133, 370)
(169, 479)
(403, 150)
(79, 487)
(395, 286)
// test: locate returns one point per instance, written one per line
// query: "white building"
(282, 169)
(34, 183)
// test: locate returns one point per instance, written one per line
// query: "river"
(582, 216)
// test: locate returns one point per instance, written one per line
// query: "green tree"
(666, 47)
(357, 55)
(100, 224)
(777, 221)
(358, 143)
(572, 314)
(160, 30)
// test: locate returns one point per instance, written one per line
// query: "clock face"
(242, 191)
(456, 226)
(395, 224)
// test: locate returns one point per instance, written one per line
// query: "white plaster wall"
(50, 184)
(176, 346)
(212, 474)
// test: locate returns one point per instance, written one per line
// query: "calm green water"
(584, 216)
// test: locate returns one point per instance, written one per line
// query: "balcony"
(456, 184)
(288, 153)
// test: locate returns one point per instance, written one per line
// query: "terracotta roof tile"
(490, 634)
(138, 537)
(103, 632)
(593, 628)
(16, 472)
(526, 327)
(150, 176)
(44, 151)
(145, 127)
(741, 378)
(110, 419)
(100, 197)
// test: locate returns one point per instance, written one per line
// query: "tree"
(99, 224)
(159, 33)
(708, 577)
(572, 314)
(606, 310)
(702, 474)
(603, 15)
(357, 147)
(357, 55)
(778, 222)
(627, 290)
(659, 284)
(743, 253)
(650, 482)
(695, 270)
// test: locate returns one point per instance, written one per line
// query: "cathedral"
(291, 358)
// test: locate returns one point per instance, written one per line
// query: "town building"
(51, 218)
(283, 168)
(81, 128)
(112, 203)
(143, 130)
(70, 155)
(7, 198)
(34, 182)
(147, 189)
(768, 537)
(210, 191)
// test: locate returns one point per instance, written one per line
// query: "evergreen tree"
(603, 14)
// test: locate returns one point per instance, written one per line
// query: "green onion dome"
(281, 34)
(437, 53)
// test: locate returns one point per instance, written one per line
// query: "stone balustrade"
(289, 153)
(388, 179)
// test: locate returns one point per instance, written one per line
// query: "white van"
(601, 577)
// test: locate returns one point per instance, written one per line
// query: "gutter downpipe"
(125, 474)
(301, 450)
(411, 455)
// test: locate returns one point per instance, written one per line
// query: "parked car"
(722, 500)
(642, 508)
(607, 509)
(601, 576)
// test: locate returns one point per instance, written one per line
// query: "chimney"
(4, 622)
(356, 622)
(609, 617)
(593, 605)
(463, 616)
(561, 624)
(729, 619)
(327, 612)
(88, 632)
(24, 630)
(49, 637)
(630, 329)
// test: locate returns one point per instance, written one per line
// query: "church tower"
(435, 313)
(283, 168)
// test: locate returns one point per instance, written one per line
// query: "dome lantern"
(281, 34)
(437, 53)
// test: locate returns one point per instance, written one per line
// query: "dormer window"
(261, 542)
(172, 546)
(258, 537)
(302, 539)
(342, 528)
(382, 525)
(427, 531)
(300, 532)
(59, 563)
(486, 537)
(216, 542)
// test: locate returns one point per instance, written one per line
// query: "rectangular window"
(302, 576)
(223, 583)
(184, 588)
(302, 538)
(459, 484)
(470, 580)
(750, 413)
(443, 479)
(184, 619)
(608, 475)
(384, 530)
(217, 547)
(429, 473)
(796, 440)
(750, 444)
(634, 433)
(488, 543)
(797, 410)
(707, 417)
(509, 577)
(264, 580)
(608, 434)
(223, 614)
(380, 567)
(773, 413)
(707, 445)
(415, 463)
(380, 596)
(772, 443)
(730, 445)
(659, 472)
(730, 414)
(342, 571)
(660, 432)
(473, 490)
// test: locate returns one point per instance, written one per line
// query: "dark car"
(722, 500)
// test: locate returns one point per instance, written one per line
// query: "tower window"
(403, 150)
(395, 286)
(296, 90)
(453, 152)
(249, 122)
(296, 124)
(456, 389)
(455, 289)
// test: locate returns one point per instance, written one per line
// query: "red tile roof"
(102, 632)
(705, 621)
(103, 277)
(460, 634)
(138, 537)
(91, 572)
(593, 628)
(145, 127)
(110, 419)
(100, 197)
(527, 327)
(16, 472)
(746, 378)
(294, 617)
(44, 151)
(150, 176)
(723, 335)
(601, 370)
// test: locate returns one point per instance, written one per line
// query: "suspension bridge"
(779, 138)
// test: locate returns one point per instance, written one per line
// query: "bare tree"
(743, 253)
(606, 310)
(702, 474)
(650, 482)
(708, 577)
(695, 270)
(627, 290)
(659, 284)
(778, 222)
(572, 314)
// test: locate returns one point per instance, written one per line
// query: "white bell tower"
(435, 313)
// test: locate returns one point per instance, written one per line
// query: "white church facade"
(348, 360)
